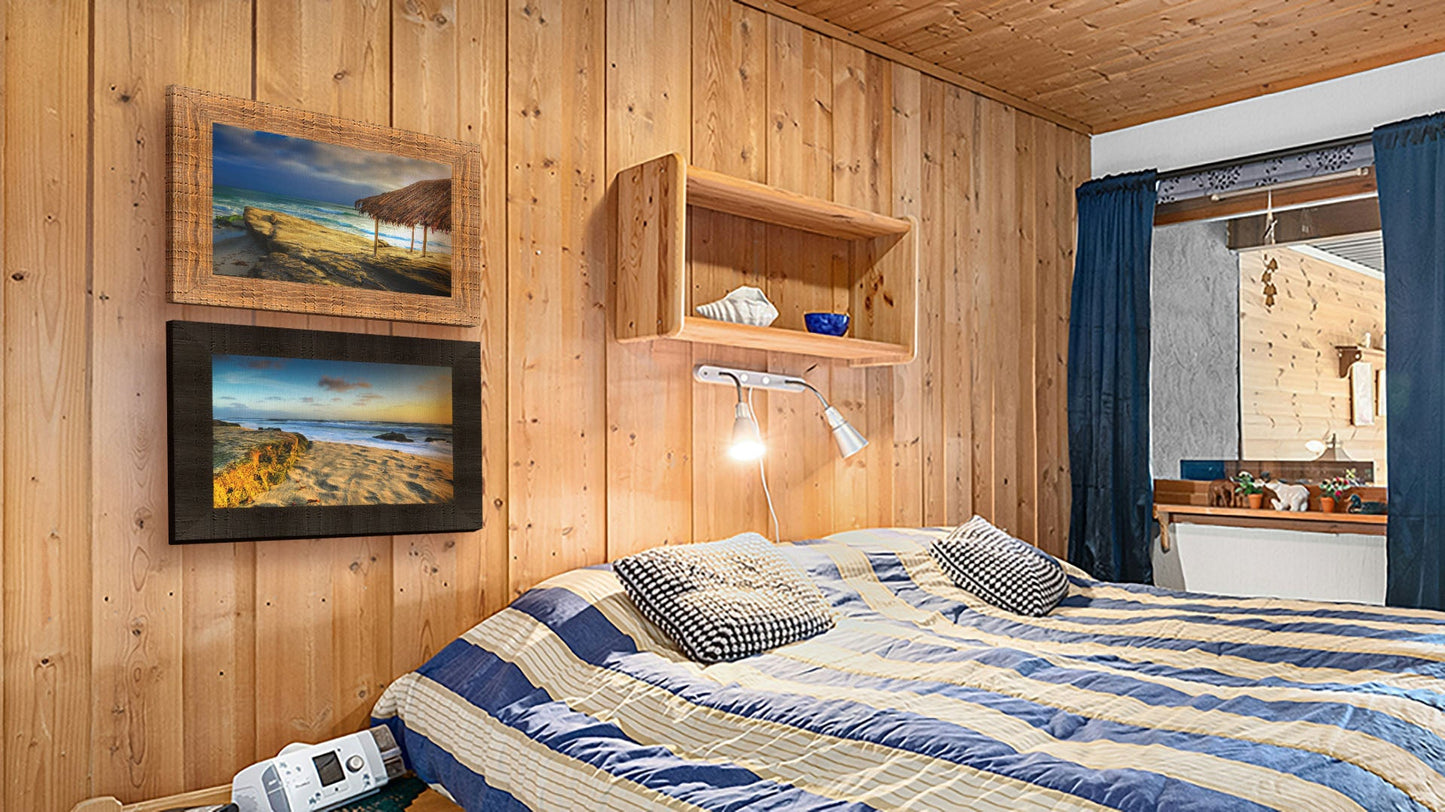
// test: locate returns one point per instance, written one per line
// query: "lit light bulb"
(747, 443)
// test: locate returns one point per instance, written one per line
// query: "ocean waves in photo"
(423, 439)
(228, 201)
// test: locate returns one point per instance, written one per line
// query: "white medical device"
(318, 777)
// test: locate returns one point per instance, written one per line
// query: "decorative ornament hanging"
(1270, 266)
(1270, 263)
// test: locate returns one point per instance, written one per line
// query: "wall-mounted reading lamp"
(747, 442)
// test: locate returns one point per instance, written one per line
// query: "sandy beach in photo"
(343, 474)
(270, 467)
(264, 244)
(324, 432)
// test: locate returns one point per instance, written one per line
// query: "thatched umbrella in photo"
(426, 203)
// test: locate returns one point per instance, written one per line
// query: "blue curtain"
(1110, 529)
(1410, 171)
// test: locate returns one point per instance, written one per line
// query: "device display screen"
(328, 768)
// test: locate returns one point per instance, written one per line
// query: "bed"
(923, 697)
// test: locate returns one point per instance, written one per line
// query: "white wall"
(1350, 105)
(1255, 561)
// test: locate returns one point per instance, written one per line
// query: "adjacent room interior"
(1268, 357)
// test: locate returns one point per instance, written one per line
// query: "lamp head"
(850, 440)
(747, 442)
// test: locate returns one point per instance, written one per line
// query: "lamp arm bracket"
(749, 378)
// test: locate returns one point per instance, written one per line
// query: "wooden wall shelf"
(859, 261)
(1309, 522)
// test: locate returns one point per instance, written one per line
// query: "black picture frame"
(193, 517)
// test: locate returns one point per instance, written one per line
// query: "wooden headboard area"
(135, 668)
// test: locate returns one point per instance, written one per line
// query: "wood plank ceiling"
(1115, 63)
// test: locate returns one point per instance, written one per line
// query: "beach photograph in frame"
(303, 434)
(292, 209)
(280, 209)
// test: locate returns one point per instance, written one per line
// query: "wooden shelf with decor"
(687, 236)
(1181, 501)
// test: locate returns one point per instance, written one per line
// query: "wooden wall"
(135, 668)
(1290, 388)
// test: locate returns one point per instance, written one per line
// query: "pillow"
(1000, 569)
(725, 600)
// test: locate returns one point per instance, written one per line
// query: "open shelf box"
(688, 236)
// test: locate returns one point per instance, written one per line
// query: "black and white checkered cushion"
(1008, 573)
(725, 600)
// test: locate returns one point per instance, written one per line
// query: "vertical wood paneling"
(328, 57)
(935, 267)
(964, 346)
(649, 386)
(729, 134)
(1025, 378)
(862, 177)
(907, 381)
(454, 56)
(134, 668)
(557, 240)
(801, 453)
(140, 642)
(220, 663)
(729, 105)
(5, 740)
(484, 82)
(1051, 337)
(984, 260)
(218, 580)
(47, 524)
(1003, 235)
(309, 594)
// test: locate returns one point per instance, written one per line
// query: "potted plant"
(1250, 488)
(1332, 489)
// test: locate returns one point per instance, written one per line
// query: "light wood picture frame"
(302, 252)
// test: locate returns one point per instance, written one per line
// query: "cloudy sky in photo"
(311, 170)
(259, 387)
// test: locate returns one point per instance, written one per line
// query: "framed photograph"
(303, 434)
(280, 209)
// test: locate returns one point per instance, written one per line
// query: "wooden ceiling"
(1115, 63)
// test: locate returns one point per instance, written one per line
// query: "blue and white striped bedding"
(1125, 697)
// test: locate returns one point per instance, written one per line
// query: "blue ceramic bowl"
(829, 324)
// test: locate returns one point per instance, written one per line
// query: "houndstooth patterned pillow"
(725, 600)
(1008, 573)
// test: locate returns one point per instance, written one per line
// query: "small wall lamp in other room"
(747, 442)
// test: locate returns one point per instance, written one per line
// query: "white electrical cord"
(763, 475)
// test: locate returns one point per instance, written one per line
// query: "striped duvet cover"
(1125, 697)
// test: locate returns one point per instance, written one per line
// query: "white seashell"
(746, 305)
